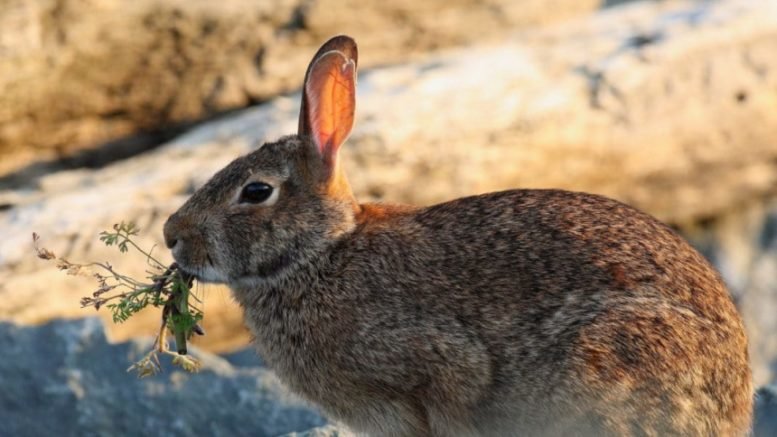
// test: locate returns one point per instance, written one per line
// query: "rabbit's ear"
(329, 97)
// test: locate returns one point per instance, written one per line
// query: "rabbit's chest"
(294, 340)
(303, 363)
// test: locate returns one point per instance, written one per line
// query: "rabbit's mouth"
(196, 261)
(206, 274)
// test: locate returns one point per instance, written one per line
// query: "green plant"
(165, 287)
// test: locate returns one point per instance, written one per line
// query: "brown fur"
(525, 312)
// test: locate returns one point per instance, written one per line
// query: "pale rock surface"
(669, 107)
(77, 73)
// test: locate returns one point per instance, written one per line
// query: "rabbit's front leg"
(417, 379)
(385, 418)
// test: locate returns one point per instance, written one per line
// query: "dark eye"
(255, 192)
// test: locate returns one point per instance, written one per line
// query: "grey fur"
(525, 312)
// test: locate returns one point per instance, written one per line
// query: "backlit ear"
(329, 97)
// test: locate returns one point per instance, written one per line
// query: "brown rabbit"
(524, 312)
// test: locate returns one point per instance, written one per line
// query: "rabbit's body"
(529, 312)
(546, 310)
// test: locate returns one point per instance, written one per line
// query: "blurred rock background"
(113, 110)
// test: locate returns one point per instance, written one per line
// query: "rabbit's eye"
(256, 192)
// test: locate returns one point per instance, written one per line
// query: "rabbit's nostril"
(171, 231)
(171, 237)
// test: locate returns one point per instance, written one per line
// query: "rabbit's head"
(281, 204)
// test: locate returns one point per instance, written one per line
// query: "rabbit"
(521, 312)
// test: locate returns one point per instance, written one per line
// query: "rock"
(323, 431)
(243, 358)
(76, 73)
(581, 106)
(64, 378)
(765, 417)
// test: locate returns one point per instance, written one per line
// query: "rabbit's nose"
(171, 231)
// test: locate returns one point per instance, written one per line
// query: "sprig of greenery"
(166, 287)
(131, 303)
(121, 235)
